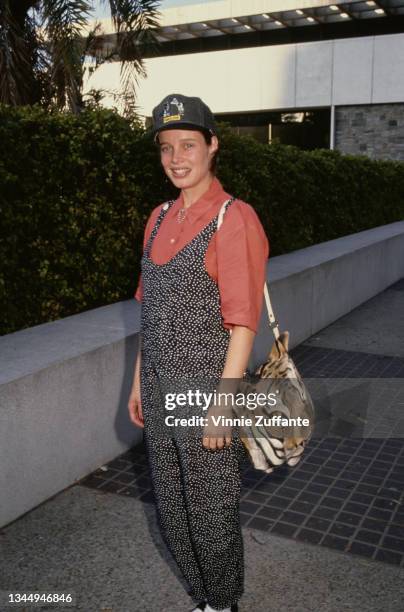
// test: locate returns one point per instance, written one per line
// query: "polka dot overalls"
(197, 491)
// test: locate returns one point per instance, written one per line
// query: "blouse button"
(172, 240)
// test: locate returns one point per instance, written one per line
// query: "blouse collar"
(210, 200)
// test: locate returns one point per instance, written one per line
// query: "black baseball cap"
(182, 112)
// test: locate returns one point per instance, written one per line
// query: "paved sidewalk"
(107, 549)
(325, 537)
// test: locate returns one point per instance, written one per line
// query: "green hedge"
(75, 193)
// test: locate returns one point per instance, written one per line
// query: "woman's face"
(185, 156)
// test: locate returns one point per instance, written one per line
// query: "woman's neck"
(193, 194)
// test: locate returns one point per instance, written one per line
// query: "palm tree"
(45, 45)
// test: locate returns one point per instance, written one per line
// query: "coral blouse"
(236, 257)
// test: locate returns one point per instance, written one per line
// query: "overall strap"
(155, 229)
(273, 323)
(223, 209)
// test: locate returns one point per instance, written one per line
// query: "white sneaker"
(208, 608)
(200, 606)
(203, 605)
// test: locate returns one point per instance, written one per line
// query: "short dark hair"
(208, 139)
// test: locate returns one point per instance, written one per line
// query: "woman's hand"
(135, 401)
(135, 407)
(216, 437)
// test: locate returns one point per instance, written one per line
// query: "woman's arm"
(241, 275)
(134, 403)
(238, 354)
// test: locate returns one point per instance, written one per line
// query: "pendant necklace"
(181, 215)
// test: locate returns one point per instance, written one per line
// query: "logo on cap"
(168, 113)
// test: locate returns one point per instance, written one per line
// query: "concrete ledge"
(313, 287)
(64, 389)
(64, 385)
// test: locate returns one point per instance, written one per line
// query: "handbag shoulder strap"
(273, 323)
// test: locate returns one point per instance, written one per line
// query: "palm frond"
(134, 22)
(64, 21)
(45, 46)
(140, 15)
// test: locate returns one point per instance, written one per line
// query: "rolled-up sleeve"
(242, 255)
(148, 230)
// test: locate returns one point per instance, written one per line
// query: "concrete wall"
(64, 385)
(64, 388)
(313, 287)
(275, 77)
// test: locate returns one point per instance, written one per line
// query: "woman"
(201, 291)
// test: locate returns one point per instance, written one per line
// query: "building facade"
(304, 72)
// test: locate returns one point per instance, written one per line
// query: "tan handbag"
(270, 446)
